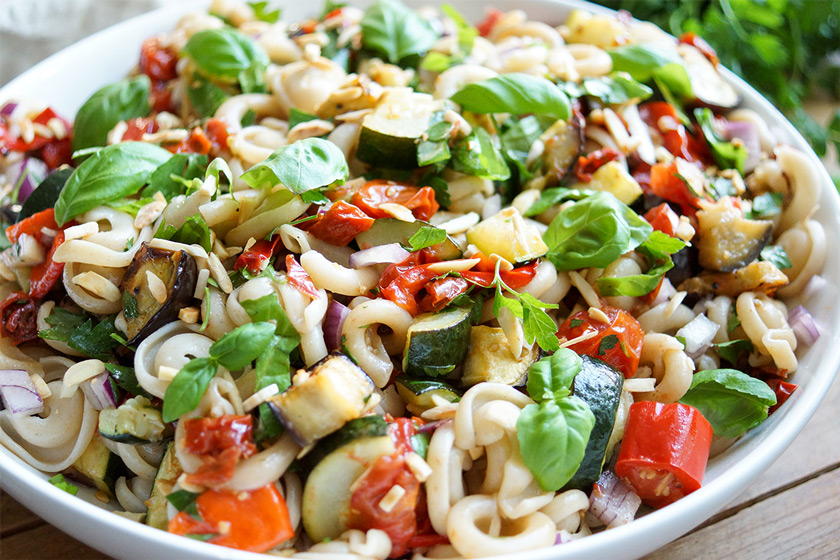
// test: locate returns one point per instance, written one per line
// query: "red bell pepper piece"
(299, 278)
(341, 224)
(664, 451)
(255, 259)
(587, 165)
(33, 225)
(43, 276)
(783, 391)
(18, 313)
(663, 219)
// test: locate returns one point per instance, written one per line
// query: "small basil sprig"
(664, 67)
(777, 255)
(594, 232)
(395, 31)
(553, 434)
(228, 56)
(731, 351)
(109, 174)
(478, 155)
(303, 166)
(615, 89)
(536, 324)
(194, 231)
(514, 93)
(111, 104)
(732, 401)
(426, 237)
(657, 250)
(184, 166)
(234, 351)
(726, 154)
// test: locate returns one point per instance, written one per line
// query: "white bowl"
(65, 82)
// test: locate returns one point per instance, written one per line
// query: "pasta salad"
(386, 283)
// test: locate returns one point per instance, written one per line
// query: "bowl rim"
(655, 529)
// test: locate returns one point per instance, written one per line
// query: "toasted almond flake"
(158, 196)
(456, 265)
(27, 131)
(585, 336)
(460, 224)
(98, 285)
(391, 498)
(166, 373)
(685, 230)
(639, 385)
(149, 213)
(185, 485)
(156, 287)
(398, 211)
(217, 269)
(41, 385)
(597, 315)
(674, 303)
(196, 251)
(260, 397)
(42, 130)
(81, 230)
(588, 293)
(57, 127)
(418, 467)
(102, 496)
(224, 527)
(165, 136)
(77, 373)
(353, 116)
(250, 243)
(189, 315)
(504, 264)
(201, 283)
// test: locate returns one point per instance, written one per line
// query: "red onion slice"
(333, 323)
(381, 254)
(8, 109)
(99, 391)
(612, 502)
(26, 175)
(19, 393)
(804, 326)
(748, 134)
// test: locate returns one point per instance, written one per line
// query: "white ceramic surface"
(66, 79)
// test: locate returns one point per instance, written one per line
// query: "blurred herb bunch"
(787, 49)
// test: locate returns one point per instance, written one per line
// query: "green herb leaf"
(242, 345)
(185, 166)
(126, 380)
(230, 56)
(60, 482)
(205, 96)
(732, 401)
(194, 231)
(645, 63)
(726, 154)
(111, 104)
(765, 205)
(466, 32)
(263, 11)
(297, 116)
(435, 147)
(552, 196)
(302, 166)
(614, 89)
(129, 303)
(657, 250)
(218, 168)
(514, 93)
(63, 323)
(732, 350)
(594, 232)
(112, 173)
(436, 62)
(79, 332)
(775, 254)
(268, 426)
(395, 31)
(478, 155)
(552, 377)
(184, 500)
(426, 237)
(536, 324)
(267, 308)
(552, 439)
(607, 343)
(185, 391)
(46, 194)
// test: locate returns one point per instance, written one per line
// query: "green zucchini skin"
(364, 427)
(437, 343)
(417, 393)
(165, 479)
(599, 385)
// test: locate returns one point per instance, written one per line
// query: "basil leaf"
(514, 93)
(263, 11)
(657, 250)
(466, 32)
(775, 254)
(732, 401)
(552, 377)
(61, 483)
(608, 343)
(426, 237)
(184, 500)
(185, 391)
(296, 117)
(126, 380)
(45, 195)
(478, 155)
(594, 232)
(302, 166)
(229, 56)
(765, 205)
(204, 96)
(273, 365)
(726, 154)
(517, 137)
(194, 231)
(395, 31)
(731, 351)
(617, 88)
(268, 426)
(267, 308)
(435, 147)
(436, 62)
(552, 196)
(242, 345)
(109, 105)
(185, 166)
(536, 324)
(645, 63)
(110, 174)
(552, 439)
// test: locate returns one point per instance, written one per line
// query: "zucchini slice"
(489, 359)
(321, 402)
(358, 428)
(98, 467)
(391, 230)
(418, 393)
(135, 421)
(326, 496)
(436, 342)
(389, 136)
(165, 479)
(508, 235)
(598, 385)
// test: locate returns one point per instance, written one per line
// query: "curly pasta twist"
(767, 328)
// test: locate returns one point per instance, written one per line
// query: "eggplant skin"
(562, 149)
(726, 240)
(758, 276)
(178, 272)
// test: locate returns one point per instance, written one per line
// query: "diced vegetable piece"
(612, 502)
(758, 276)
(389, 135)
(135, 421)
(490, 359)
(418, 393)
(326, 496)
(165, 479)
(508, 235)
(664, 451)
(436, 342)
(97, 467)
(613, 178)
(19, 393)
(320, 402)
(385, 231)
(143, 311)
(726, 240)
(709, 88)
(599, 386)
(563, 146)
(369, 426)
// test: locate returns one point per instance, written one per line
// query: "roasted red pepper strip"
(440, 292)
(515, 279)
(664, 451)
(18, 313)
(220, 443)
(663, 117)
(405, 286)
(299, 279)
(44, 275)
(33, 225)
(420, 200)
(341, 224)
(587, 165)
(783, 391)
(256, 258)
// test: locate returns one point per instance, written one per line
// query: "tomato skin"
(406, 285)
(490, 20)
(217, 133)
(783, 391)
(624, 355)
(157, 62)
(515, 279)
(256, 258)
(664, 439)
(341, 224)
(259, 519)
(57, 153)
(666, 183)
(33, 225)
(220, 442)
(196, 143)
(589, 164)
(663, 219)
(137, 127)
(18, 313)
(420, 200)
(299, 279)
(663, 117)
(440, 292)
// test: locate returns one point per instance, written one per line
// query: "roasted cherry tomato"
(665, 182)
(420, 200)
(515, 279)
(299, 279)
(663, 219)
(440, 292)
(589, 164)
(341, 224)
(136, 128)
(18, 313)
(255, 520)
(664, 451)
(783, 391)
(256, 258)
(34, 225)
(663, 117)
(220, 443)
(618, 342)
(196, 143)
(158, 63)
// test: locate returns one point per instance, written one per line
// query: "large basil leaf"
(552, 376)
(242, 345)
(107, 175)
(647, 63)
(594, 232)
(657, 250)
(395, 31)
(302, 166)
(185, 391)
(552, 439)
(111, 104)
(732, 401)
(205, 97)
(478, 155)
(514, 93)
(230, 56)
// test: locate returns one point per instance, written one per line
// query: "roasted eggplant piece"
(758, 276)
(563, 144)
(726, 240)
(148, 307)
(709, 88)
(323, 400)
(489, 359)
(135, 421)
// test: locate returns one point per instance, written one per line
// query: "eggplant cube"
(335, 392)
(726, 240)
